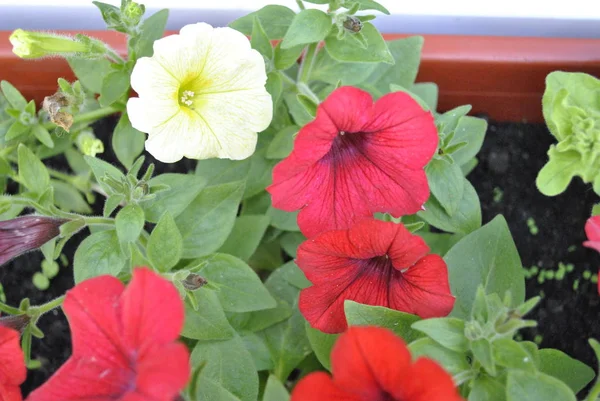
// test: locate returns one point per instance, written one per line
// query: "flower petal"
(369, 361)
(592, 230)
(423, 289)
(427, 381)
(10, 392)
(145, 115)
(349, 109)
(91, 307)
(163, 371)
(83, 379)
(318, 386)
(149, 320)
(12, 361)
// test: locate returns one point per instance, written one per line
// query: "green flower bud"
(32, 45)
(132, 13)
(89, 144)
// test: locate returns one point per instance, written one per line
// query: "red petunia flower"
(372, 364)
(26, 233)
(12, 365)
(356, 158)
(592, 230)
(374, 263)
(124, 344)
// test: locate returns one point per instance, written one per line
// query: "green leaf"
(32, 171)
(275, 391)
(308, 26)
(371, 5)
(165, 244)
(274, 86)
(151, 30)
(453, 362)
(238, 287)
(221, 171)
(259, 175)
(259, 351)
(229, 364)
(329, 70)
(399, 322)
(527, 386)
(573, 373)
(16, 130)
(465, 219)
(127, 142)
(42, 135)
(259, 40)
(184, 188)
(209, 390)
(555, 176)
(206, 223)
(488, 257)
(245, 236)
(447, 184)
(98, 254)
(447, 331)
(100, 168)
(283, 143)
(428, 91)
(482, 352)
(12, 95)
(285, 58)
(262, 319)
(290, 241)
(486, 388)
(275, 20)
(407, 53)
(282, 220)
(512, 355)
(347, 50)
(299, 114)
(68, 199)
(472, 131)
(90, 73)
(129, 223)
(322, 344)
(114, 86)
(209, 321)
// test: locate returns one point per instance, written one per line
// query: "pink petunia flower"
(375, 263)
(26, 233)
(372, 364)
(124, 342)
(592, 231)
(12, 365)
(356, 158)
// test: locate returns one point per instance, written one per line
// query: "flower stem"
(9, 309)
(307, 62)
(87, 117)
(98, 221)
(48, 306)
(300, 4)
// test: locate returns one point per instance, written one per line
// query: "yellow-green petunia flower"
(201, 95)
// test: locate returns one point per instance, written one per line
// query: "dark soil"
(509, 161)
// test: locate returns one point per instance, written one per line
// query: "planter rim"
(502, 77)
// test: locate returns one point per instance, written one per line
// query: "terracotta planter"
(502, 77)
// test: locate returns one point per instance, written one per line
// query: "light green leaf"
(184, 188)
(556, 175)
(399, 322)
(13, 96)
(229, 364)
(453, 362)
(100, 168)
(448, 332)
(322, 344)
(68, 199)
(98, 254)
(165, 244)
(275, 19)
(32, 171)
(447, 184)
(428, 91)
(207, 222)
(573, 373)
(209, 321)
(238, 287)
(512, 355)
(328, 70)
(245, 236)
(221, 171)
(527, 386)
(486, 388)
(282, 220)
(346, 50)
(258, 349)
(127, 142)
(209, 390)
(259, 40)
(42, 135)
(488, 257)
(152, 29)
(371, 5)
(482, 352)
(472, 131)
(114, 86)
(285, 58)
(308, 26)
(283, 143)
(290, 241)
(465, 219)
(275, 391)
(129, 223)
(90, 73)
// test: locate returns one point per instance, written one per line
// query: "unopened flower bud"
(133, 12)
(88, 144)
(353, 24)
(26, 233)
(28, 44)
(194, 281)
(16, 322)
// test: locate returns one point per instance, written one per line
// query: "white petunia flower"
(201, 95)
